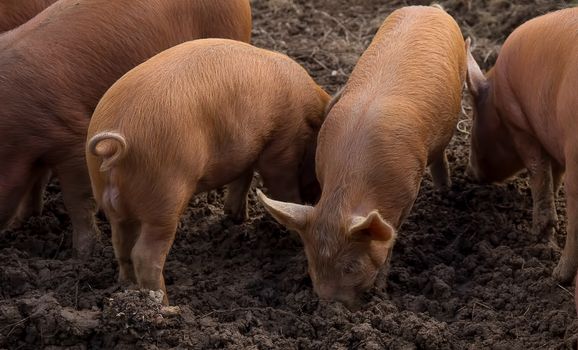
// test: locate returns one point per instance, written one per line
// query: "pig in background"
(56, 67)
(525, 117)
(15, 12)
(395, 116)
(196, 117)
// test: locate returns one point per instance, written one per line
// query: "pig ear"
(292, 216)
(371, 228)
(475, 78)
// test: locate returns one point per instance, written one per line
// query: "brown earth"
(466, 273)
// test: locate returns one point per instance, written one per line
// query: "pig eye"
(350, 268)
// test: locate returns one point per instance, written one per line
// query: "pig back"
(210, 105)
(417, 58)
(81, 47)
(398, 109)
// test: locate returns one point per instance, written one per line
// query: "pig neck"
(498, 99)
(371, 156)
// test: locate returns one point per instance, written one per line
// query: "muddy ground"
(466, 273)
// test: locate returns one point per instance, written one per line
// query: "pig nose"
(325, 292)
(351, 304)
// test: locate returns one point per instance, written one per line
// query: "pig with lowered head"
(395, 116)
(196, 117)
(525, 117)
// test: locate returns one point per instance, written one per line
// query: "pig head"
(345, 262)
(493, 157)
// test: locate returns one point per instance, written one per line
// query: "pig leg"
(150, 253)
(557, 177)
(566, 268)
(236, 199)
(77, 195)
(281, 178)
(124, 236)
(539, 165)
(440, 172)
(159, 216)
(32, 205)
(14, 183)
(544, 209)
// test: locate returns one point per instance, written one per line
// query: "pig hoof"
(237, 217)
(444, 186)
(543, 234)
(442, 183)
(126, 279)
(84, 251)
(125, 284)
(563, 272)
(552, 244)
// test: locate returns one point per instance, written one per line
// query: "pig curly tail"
(110, 146)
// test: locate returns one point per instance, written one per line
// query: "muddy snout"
(350, 299)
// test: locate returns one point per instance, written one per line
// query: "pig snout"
(349, 298)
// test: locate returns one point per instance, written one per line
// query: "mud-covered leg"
(568, 263)
(557, 177)
(544, 215)
(440, 172)
(77, 195)
(539, 165)
(124, 236)
(236, 199)
(150, 253)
